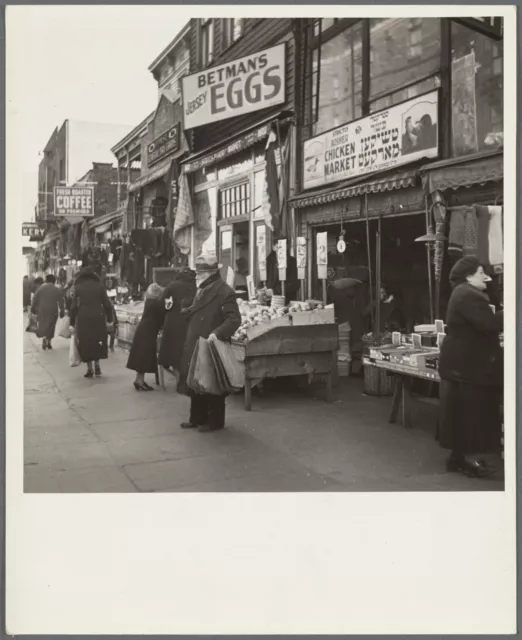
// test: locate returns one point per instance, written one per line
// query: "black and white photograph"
(262, 258)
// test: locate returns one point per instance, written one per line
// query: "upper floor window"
(207, 41)
(232, 30)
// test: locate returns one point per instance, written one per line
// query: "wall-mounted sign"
(74, 202)
(32, 231)
(301, 258)
(386, 139)
(167, 143)
(241, 86)
(261, 250)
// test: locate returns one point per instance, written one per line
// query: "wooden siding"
(258, 34)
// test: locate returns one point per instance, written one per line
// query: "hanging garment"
(470, 233)
(456, 234)
(483, 234)
(496, 240)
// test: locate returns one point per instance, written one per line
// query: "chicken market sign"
(242, 86)
(399, 135)
(74, 202)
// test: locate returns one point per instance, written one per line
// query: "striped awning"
(465, 171)
(106, 220)
(388, 183)
(158, 172)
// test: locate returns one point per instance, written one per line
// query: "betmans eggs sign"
(233, 89)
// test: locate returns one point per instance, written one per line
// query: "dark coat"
(27, 292)
(90, 312)
(215, 311)
(391, 316)
(142, 356)
(178, 295)
(471, 352)
(272, 276)
(47, 301)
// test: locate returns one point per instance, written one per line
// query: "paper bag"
(74, 354)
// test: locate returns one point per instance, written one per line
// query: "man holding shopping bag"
(213, 312)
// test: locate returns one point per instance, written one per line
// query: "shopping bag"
(192, 366)
(204, 371)
(74, 354)
(63, 328)
(32, 327)
(231, 372)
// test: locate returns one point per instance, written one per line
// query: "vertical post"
(118, 186)
(365, 67)
(428, 255)
(445, 115)
(369, 256)
(378, 236)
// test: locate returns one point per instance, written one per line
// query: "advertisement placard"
(241, 86)
(32, 230)
(167, 143)
(261, 250)
(74, 202)
(395, 136)
(301, 258)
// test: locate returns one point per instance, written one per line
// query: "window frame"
(207, 42)
(228, 30)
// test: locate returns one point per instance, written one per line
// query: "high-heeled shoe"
(97, 371)
(142, 386)
(89, 374)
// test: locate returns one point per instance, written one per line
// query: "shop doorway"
(234, 248)
(404, 262)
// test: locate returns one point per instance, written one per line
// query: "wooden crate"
(323, 316)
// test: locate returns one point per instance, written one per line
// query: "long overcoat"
(142, 356)
(90, 312)
(215, 311)
(178, 295)
(47, 302)
(471, 351)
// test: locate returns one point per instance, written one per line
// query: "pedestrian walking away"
(26, 293)
(178, 295)
(214, 311)
(470, 368)
(48, 303)
(91, 311)
(143, 353)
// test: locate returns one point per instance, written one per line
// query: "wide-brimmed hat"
(207, 262)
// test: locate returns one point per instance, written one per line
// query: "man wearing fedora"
(214, 311)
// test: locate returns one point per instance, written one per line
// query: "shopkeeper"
(272, 272)
(391, 315)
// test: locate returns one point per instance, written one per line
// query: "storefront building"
(239, 94)
(398, 115)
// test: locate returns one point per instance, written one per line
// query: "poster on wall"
(261, 250)
(390, 138)
(240, 86)
(464, 105)
(322, 255)
(301, 258)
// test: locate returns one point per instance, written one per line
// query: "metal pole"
(282, 204)
(378, 236)
(369, 255)
(428, 256)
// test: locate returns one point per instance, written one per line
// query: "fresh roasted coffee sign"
(167, 143)
(242, 86)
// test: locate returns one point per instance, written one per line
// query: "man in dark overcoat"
(214, 311)
(48, 302)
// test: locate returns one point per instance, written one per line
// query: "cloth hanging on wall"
(496, 239)
(184, 217)
(470, 233)
(483, 234)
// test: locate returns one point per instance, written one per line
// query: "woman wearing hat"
(214, 311)
(470, 368)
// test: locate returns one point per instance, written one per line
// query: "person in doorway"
(47, 303)
(143, 354)
(272, 271)
(26, 293)
(391, 316)
(178, 295)
(214, 311)
(240, 280)
(90, 314)
(470, 367)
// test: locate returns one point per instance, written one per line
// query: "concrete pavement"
(101, 435)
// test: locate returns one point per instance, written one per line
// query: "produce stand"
(284, 347)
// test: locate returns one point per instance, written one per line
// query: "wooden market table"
(290, 351)
(404, 376)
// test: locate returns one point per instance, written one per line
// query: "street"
(101, 435)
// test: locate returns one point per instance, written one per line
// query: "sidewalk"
(101, 435)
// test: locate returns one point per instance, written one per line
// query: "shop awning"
(106, 220)
(244, 139)
(102, 228)
(349, 190)
(154, 174)
(463, 172)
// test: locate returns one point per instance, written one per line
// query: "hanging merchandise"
(184, 217)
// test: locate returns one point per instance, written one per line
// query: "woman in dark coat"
(90, 313)
(47, 303)
(178, 295)
(471, 371)
(214, 311)
(27, 293)
(142, 356)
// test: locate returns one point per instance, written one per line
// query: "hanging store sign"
(401, 134)
(74, 202)
(32, 231)
(242, 86)
(167, 143)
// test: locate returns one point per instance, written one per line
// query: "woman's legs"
(89, 373)
(97, 369)
(140, 384)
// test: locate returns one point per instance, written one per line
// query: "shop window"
(232, 30)
(324, 24)
(335, 85)
(234, 201)
(476, 91)
(207, 41)
(403, 50)
(405, 94)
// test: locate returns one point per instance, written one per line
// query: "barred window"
(234, 201)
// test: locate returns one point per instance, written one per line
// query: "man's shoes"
(207, 428)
